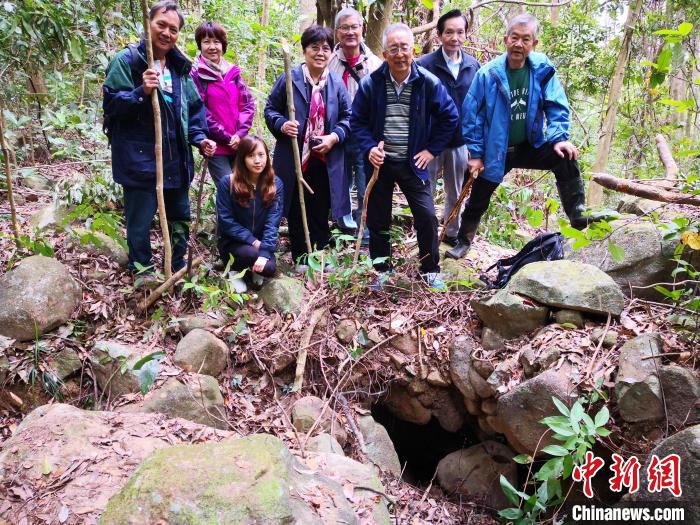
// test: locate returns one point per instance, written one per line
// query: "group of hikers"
(413, 120)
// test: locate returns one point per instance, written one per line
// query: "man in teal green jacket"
(503, 123)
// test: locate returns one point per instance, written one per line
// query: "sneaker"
(347, 224)
(237, 283)
(434, 280)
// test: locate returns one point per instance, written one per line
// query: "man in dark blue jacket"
(455, 69)
(408, 108)
(503, 122)
(129, 121)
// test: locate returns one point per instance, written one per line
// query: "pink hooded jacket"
(230, 106)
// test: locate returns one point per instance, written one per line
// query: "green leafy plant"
(577, 432)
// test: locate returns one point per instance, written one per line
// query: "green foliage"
(577, 432)
(147, 369)
(217, 293)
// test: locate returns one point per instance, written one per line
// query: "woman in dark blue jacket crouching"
(249, 205)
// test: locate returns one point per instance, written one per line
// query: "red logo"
(626, 474)
(586, 471)
(665, 474)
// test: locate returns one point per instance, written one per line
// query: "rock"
(254, 479)
(500, 377)
(305, 412)
(528, 360)
(49, 218)
(199, 401)
(473, 406)
(193, 322)
(460, 363)
(521, 409)
(417, 387)
(36, 181)
(100, 244)
(533, 364)
(682, 394)
(435, 378)
(636, 205)
(283, 293)
(510, 315)
(36, 296)
(447, 411)
(637, 386)
(324, 443)
(346, 330)
(485, 427)
(66, 363)
(489, 406)
(399, 360)
(406, 344)
(107, 359)
(571, 285)
(495, 423)
(569, 317)
(281, 360)
(609, 337)
(647, 257)
(483, 367)
(491, 340)
(405, 407)
(378, 446)
(687, 445)
(202, 352)
(58, 437)
(460, 277)
(476, 471)
(483, 389)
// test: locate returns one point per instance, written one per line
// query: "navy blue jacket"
(433, 119)
(337, 104)
(129, 112)
(254, 223)
(457, 88)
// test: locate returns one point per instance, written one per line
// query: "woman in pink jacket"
(230, 107)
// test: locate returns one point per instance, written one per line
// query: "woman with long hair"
(230, 106)
(249, 205)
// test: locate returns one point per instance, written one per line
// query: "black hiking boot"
(459, 250)
(465, 236)
(573, 199)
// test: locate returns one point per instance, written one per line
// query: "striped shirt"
(396, 124)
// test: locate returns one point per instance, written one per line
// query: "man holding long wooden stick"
(129, 122)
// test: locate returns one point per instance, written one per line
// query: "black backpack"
(544, 247)
(107, 124)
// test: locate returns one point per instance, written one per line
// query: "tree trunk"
(8, 175)
(646, 191)
(260, 79)
(308, 13)
(377, 21)
(595, 191)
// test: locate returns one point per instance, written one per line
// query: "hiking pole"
(458, 205)
(162, 218)
(195, 226)
(363, 219)
(295, 144)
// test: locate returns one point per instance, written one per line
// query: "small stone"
(406, 407)
(460, 364)
(485, 426)
(99, 243)
(473, 407)
(682, 395)
(346, 330)
(406, 343)
(481, 387)
(483, 367)
(528, 360)
(489, 406)
(283, 294)
(435, 378)
(491, 340)
(569, 317)
(548, 358)
(637, 388)
(325, 443)
(193, 322)
(609, 337)
(378, 446)
(66, 363)
(201, 352)
(308, 409)
(495, 423)
(398, 359)
(416, 387)
(511, 315)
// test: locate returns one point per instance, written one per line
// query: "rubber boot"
(573, 199)
(465, 236)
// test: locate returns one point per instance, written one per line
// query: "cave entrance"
(421, 447)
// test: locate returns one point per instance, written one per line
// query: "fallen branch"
(640, 190)
(167, 285)
(306, 338)
(666, 157)
(458, 205)
(363, 218)
(8, 176)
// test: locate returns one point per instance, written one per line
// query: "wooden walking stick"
(167, 246)
(458, 205)
(8, 175)
(295, 144)
(363, 218)
(195, 226)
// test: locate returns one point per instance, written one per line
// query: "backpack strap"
(352, 71)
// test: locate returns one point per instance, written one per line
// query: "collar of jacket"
(538, 63)
(299, 81)
(382, 73)
(175, 58)
(466, 62)
(208, 74)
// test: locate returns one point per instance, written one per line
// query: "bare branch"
(640, 190)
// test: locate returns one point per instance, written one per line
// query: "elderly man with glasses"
(408, 108)
(352, 60)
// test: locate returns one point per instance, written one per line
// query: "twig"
(195, 226)
(639, 190)
(301, 357)
(146, 303)
(458, 205)
(363, 218)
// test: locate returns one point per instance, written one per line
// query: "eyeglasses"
(316, 48)
(395, 50)
(347, 28)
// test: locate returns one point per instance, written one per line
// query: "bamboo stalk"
(295, 143)
(8, 175)
(458, 205)
(162, 217)
(146, 303)
(363, 217)
(195, 226)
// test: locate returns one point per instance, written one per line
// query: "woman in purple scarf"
(230, 107)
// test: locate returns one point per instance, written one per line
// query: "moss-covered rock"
(99, 243)
(511, 315)
(283, 293)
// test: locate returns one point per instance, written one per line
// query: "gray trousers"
(453, 162)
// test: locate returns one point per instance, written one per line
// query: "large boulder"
(682, 395)
(647, 257)
(511, 315)
(99, 243)
(571, 285)
(283, 293)
(199, 400)
(637, 386)
(36, 296)
(378, 446)
(687, 445)
(52, 457)
(521, 409)
(113, 365)
(254, 479)
(202, 352)
(476, 472)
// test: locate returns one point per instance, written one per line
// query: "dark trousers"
(244, 256)
(420, 200)
(140, 206)
(318, 207)
(523, 156)
(220, 166)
